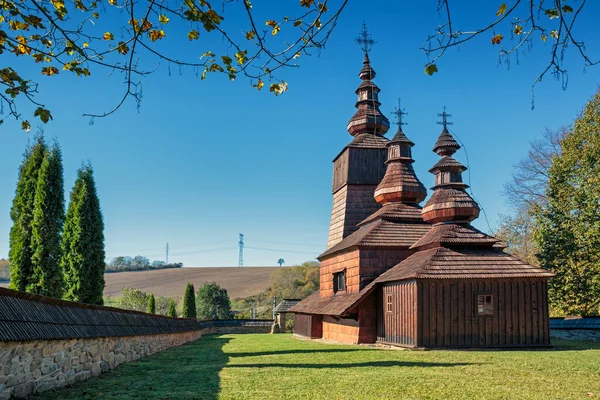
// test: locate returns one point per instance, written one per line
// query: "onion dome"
(368, 118)
(449, 201)
(400, 183)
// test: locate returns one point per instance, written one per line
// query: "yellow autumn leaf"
(275, 30)
(250, 35)
(163, 19)
(501, 10)
(271, 23)
(108, 36)
(85, 44)
(554, 33)
(193, 34)
(156, 34)
(306, 3)
(260, 84)
(49, 71)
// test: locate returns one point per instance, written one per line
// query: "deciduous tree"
(83, 242)
(568, 228)
(212, 302)
(85, 37)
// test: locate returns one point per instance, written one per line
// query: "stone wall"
(37, 366)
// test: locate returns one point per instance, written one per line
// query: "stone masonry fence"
(47, 343)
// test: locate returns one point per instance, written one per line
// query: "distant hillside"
(239, 281)
(4, 270)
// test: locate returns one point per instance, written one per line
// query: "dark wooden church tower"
(360, 166)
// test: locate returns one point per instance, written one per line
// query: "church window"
(485, 304)
(388, 303)
(339, 281)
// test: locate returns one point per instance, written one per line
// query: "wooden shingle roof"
(456, 235)
(336, 305)
(383, 234)
(286, 304)
(25, 317)
(445, 263)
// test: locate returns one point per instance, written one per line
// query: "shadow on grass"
(297, 351)
(353, 365)
(186, 372)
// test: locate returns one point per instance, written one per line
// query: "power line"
(287, 243)
(280, 250)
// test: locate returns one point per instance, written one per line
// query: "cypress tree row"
(151, 304)
(48, 218)
(189, 302)
(21, 213)
(83, 242)
(172, 309)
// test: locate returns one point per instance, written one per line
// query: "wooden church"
(398, 273)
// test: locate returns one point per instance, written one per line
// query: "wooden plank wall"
(316, 326)
(367, 320)
(375, 262)
(447, 313)
(345, 330)
(400, 325)
(302, 325)
(366, 166)
(348, 260)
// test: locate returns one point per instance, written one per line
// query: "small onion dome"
(400, 183)
(445, 145)
(367, 72)
(449, 201)
(368, 118)
(450, 205)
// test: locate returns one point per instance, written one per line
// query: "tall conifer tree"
(21, 213)
(83, 242)
(48, 218)
(151, 309)
(189, 302)
(172, 309)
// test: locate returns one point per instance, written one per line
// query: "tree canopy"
(212, 302)
(567, 229)
(83, 37)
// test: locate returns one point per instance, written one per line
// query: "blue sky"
(203, 161)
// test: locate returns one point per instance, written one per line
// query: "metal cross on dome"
(399, 112)
(364, 39)
(444, 116)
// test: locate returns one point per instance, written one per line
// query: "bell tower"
(360, 166)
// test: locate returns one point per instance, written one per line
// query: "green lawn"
(282, 367)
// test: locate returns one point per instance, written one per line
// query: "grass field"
(239, 282)
(283, 367)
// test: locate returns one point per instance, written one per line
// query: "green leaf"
(26, 126)
(567, 9)
(431, 69)
(43, 114)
